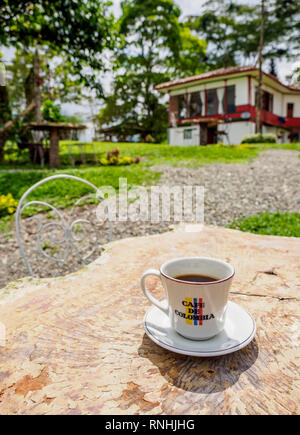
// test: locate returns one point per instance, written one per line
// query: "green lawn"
(155, 154)
(63, 194)
(277, 224)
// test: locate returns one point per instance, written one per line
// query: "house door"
(212, 135)
(203, 134)
(290, 110)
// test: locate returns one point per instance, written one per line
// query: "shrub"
(113, 158)
(52, 112)
(259, 138)
(7, 205)
(149, 139)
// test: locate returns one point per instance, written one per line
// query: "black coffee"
(196, 278)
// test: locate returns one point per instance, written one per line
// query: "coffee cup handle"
(151, 298)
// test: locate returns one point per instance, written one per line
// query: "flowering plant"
(113, 158)
(8, 204)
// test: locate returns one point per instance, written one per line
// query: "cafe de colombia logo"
(193, 314)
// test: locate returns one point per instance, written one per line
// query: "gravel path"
(271, 182)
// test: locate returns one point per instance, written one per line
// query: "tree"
(260, 60)
(77, 29)
(5, 115)
(154, 47)
(56, 76)
(231, 29)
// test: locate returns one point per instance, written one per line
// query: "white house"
(220, 106)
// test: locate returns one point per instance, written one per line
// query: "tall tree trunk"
(32, 94)
(37, 87)
(5, 115)
(260, 59)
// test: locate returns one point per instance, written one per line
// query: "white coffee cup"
(197, 310)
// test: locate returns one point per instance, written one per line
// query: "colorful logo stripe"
(200, 311)
(193, 311)
(188, 315)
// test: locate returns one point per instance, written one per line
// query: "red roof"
(220, 72)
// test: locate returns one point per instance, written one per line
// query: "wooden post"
(203, 134)
(205, 102)
(225, 97)
(260, 58)
(249, 92)
(5, 113)
(54, 148)
(37, 87)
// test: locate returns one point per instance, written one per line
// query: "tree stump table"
(76, 344)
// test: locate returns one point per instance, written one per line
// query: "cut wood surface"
(76, 345)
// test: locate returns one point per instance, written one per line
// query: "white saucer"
(238, 332)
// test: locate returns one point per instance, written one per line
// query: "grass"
(155, 154)
(276, 224)
(63, 193)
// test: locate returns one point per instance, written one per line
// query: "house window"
(230, 99)
(195, 104)
(187, 133)
(266, 100)
(290, 110)
(182, 106)
(212, 102)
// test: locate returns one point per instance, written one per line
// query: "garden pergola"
(54, 129)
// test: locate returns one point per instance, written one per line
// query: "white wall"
(241, 90)
(280, 100)
(176, 136)
(281, 134)
(277, 97)
(288, 98)
(236, 131)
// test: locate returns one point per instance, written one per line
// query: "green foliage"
(154, 47)
(231, 30)
(58, 80)
(259, 138)
(77, 29)
(277, 224)
(52, 112)
(192, 58)
(5, 109)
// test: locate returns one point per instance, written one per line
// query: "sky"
(188, 7)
